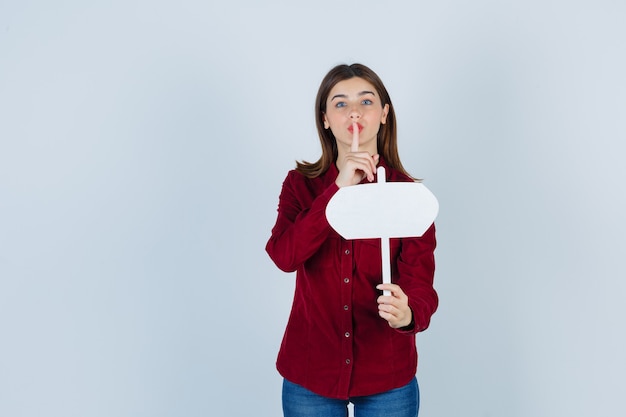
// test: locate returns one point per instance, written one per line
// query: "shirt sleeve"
(299, 230)
(415, 275)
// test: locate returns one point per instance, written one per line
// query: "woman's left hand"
(395, 307)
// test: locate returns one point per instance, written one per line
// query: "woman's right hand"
(354, 167)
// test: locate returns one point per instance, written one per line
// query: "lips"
(351, 129)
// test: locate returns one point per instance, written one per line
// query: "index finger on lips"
(355, 137)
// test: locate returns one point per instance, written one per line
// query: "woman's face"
(355, 100)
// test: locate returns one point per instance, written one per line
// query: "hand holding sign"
(383, 210)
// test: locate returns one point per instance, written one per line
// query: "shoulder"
(294, 177)
(393, 175)
(296, 183)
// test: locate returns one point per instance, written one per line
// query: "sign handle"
(386, 259)
(384, 241)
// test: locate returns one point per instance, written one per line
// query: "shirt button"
(347, 334)
(346, 280)
(346, 307)
(347, 252)
(347, 361)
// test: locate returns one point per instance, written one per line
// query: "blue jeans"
(400, 402)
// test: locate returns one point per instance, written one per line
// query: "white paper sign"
(382, 210)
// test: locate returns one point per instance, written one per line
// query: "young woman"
(345, 341)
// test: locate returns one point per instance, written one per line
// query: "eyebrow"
(362, 93)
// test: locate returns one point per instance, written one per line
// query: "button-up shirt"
(335, 343)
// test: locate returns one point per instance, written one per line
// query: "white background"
(142, 149)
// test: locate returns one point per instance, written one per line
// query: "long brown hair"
(387, 135)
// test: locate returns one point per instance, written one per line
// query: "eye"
(367, 101)
(340, 104)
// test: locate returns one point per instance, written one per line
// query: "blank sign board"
(382, 210)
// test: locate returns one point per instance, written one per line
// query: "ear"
(326, 124)
(383, 118)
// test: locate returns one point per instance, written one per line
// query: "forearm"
(416, 269)
(297, 235)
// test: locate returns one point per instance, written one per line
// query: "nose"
(355, 114)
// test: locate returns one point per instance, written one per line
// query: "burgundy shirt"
(335, 343)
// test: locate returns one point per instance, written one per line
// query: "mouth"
(351, 128)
